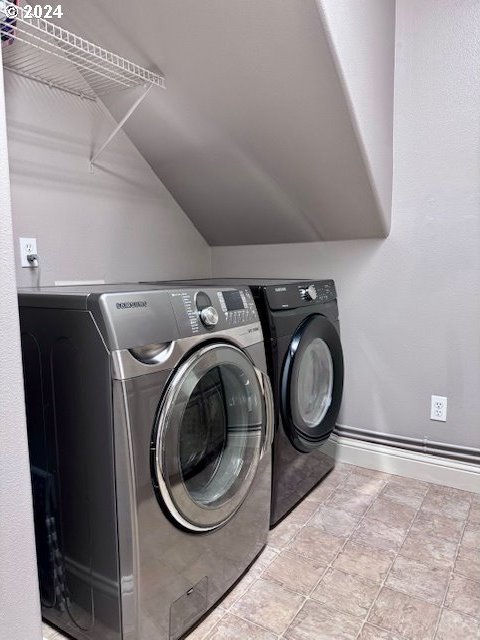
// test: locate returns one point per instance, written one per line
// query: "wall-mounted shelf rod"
(119, 126)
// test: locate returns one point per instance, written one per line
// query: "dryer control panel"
(209, 309)
(300, 294)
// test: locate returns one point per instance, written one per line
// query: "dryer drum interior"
(312, 383)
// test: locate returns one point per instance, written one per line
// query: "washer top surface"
(27, 294)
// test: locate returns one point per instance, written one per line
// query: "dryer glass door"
(312, 382)
(209, 437)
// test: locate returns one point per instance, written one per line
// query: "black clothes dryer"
(305, 363)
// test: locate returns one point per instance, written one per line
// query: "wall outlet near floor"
(28, 247)
(438, 410)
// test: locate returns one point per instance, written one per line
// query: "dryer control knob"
(209, 316)
(309, 293)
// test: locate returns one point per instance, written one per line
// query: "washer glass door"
(209, 437)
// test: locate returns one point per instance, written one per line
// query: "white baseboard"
(402, 462)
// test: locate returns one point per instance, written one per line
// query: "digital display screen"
(233, 300)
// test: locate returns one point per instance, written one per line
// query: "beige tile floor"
(365, 556)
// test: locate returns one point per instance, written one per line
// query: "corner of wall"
(19, 606)
(371, 149)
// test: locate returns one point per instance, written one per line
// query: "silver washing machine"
(150, 424)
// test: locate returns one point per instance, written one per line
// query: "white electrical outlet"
(438, 410)
(28, 247)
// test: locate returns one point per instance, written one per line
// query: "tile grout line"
(375, 626)
(320, 506)
(329, 564)
(442, 606)
(229, 610)
(396, 554)
(285, 549)
(307, 597)
(226, 610)
(349, 539)
(256, 624)
(346, 540)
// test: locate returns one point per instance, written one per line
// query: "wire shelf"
(39, 49)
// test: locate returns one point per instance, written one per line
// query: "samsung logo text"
(135, 304)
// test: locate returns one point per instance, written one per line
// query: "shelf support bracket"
(119, 126)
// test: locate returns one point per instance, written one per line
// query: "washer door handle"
(266, 386)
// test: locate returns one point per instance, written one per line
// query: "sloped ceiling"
(270, 130)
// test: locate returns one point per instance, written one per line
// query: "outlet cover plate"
(438, 409)
(27, 247)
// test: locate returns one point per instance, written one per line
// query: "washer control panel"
(213, 309)
(237, 306)
(206, 311)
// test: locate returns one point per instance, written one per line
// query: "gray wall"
(410, 304)
(117, 224)
(19, 601)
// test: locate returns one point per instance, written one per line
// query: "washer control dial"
(209, 316)
(206, 311)
(309, 293)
